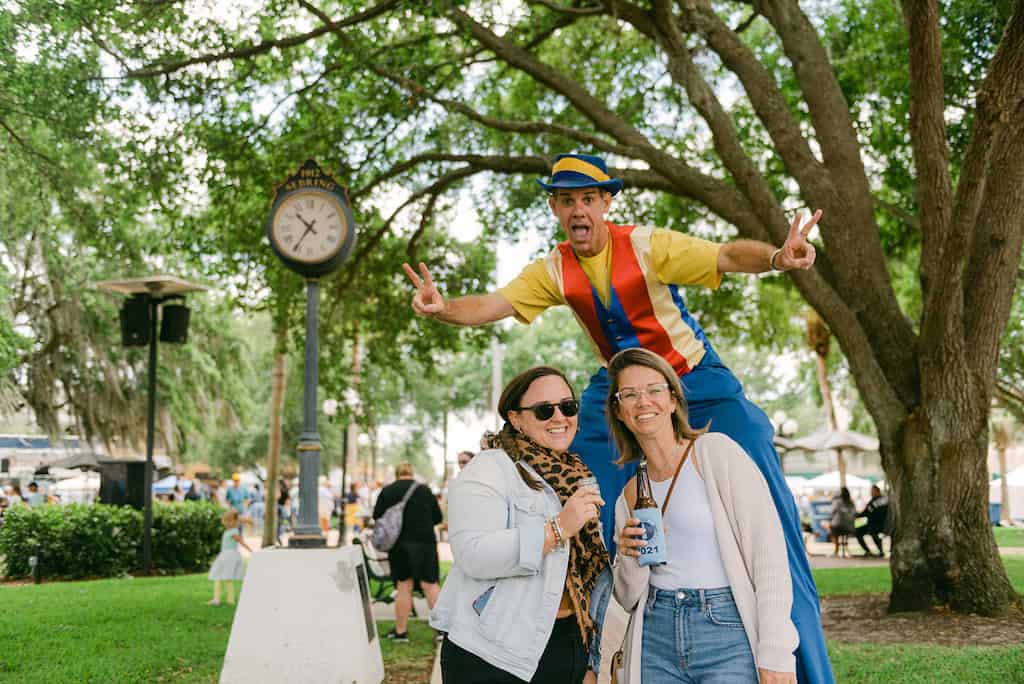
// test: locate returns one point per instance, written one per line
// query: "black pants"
(875, 533)
(564, 661)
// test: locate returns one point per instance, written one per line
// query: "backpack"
(387, 528)
(843, 518)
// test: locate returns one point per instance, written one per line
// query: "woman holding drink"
(713, 604)
(527, 547)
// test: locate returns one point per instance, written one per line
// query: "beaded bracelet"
(556, 530)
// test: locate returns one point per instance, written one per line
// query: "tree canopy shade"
(723, 117)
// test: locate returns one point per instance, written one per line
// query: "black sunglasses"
(545, 409)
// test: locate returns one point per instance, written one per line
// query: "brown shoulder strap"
(664, 504)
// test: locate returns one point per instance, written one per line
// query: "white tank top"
(694, 559)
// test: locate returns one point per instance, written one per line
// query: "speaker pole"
(147, 478)
(152, 291)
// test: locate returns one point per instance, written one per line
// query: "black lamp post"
(140, 315)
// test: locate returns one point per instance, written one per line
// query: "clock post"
(307, 531)
(312, 231)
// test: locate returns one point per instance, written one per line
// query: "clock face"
(309, 226)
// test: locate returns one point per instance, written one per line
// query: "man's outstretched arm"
(751, 256)
(470, 310)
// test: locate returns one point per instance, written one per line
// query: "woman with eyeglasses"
(528, 553)
(719, 609)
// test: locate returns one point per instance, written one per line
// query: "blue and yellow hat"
(573, 171)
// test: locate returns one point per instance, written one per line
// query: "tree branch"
(527, 127)
(899, 213)
(771, 108)
(499, 163)
(24, 144)
(578, 11)
(720, 197)
(998, 107)
(817, 286)
(746, 23)
(988, 282)
(414, 239)
(828, 107)
(726, 140)
(1011, 398)
(928, 134)
(165, 68)
(861, 276)
(367, 245)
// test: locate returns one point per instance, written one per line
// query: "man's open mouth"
(580, 232)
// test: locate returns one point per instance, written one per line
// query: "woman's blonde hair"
(230, 518)
(629, 448)
(403, 469)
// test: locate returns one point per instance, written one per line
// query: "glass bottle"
(648, 513)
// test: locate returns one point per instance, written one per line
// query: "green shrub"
(186, 536)
(99, 540)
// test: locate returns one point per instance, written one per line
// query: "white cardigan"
(753, 552)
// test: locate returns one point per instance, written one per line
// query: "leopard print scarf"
(587, 553)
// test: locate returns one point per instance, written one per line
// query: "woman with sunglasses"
(527, 548)
(719, 609)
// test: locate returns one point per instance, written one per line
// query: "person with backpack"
(843, 514)
(414, 554)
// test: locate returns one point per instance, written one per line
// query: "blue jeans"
(695, 636)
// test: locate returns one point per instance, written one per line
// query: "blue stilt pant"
(715, 396)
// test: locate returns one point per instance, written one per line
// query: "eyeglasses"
(653, 392)
(545, 409)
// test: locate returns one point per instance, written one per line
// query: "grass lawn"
(926, 664)
(913, 664)
(1009, 536)
(877, 579)
(411, 662)
(117, 630)
(160, 630)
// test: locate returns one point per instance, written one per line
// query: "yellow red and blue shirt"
(626, 296)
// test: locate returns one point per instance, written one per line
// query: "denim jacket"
(502, 594)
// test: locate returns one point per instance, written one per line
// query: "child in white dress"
(227, 566)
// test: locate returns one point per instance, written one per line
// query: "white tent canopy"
(1015, 484)
(836, 439)
(166, 485)
(829, 482)
(83, 487)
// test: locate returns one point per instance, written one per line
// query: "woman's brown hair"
(511, 400)
(629, 448)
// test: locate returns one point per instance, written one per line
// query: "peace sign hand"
(427, 301)
(797, 252)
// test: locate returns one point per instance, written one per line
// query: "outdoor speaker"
(174, 323)
(135, 322)
(123, 483)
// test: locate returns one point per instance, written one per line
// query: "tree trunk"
(278, 378)
(1004, 489)
(373, 453)
(830, 411)
(819, 337)
(944, 554)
